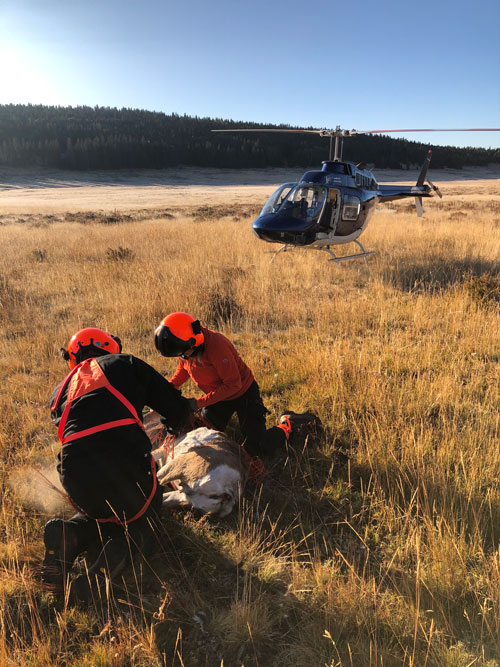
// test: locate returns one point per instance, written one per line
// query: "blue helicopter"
(333, 205)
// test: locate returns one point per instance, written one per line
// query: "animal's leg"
(174, 499)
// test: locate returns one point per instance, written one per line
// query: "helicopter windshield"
(304, 201)
(277, 198)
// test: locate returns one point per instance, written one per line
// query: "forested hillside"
(106, 138)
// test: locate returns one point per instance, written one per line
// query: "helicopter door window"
(317, 200)
(350, 210)
(306, 201)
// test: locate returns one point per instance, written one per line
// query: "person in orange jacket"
(229, 386)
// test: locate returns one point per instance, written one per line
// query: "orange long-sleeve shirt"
(219, 372)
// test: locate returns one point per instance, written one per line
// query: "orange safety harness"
(84, 378)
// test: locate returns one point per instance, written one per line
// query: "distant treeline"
(107, 138)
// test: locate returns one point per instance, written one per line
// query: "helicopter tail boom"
(419, 190)
(392, 192)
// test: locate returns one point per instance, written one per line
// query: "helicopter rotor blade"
(472, 129)
(435, 188)
(337, 132)
(419, 207)
(237, 129)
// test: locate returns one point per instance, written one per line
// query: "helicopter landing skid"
(363, 254)
(284, 248)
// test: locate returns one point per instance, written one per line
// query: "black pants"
(251, 412)
(106, 481)
(110, 546)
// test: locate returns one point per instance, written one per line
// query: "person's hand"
(192, 404)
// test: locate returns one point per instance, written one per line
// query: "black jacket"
(113, 467)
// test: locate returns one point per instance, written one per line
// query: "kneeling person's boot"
(61, 549)
(112, 560)
(297, 419)
(299, 424)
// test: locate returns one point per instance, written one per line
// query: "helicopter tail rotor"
(423, 172)
(435, 188)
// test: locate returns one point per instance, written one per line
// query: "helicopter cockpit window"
(277, 198)
(305, 201)
(350, 210)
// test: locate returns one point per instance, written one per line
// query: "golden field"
(376, 544)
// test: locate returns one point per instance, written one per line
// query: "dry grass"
(376, 545)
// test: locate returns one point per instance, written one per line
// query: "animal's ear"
(175, 499)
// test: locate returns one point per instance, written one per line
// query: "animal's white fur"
(207, 469)
(199, 437)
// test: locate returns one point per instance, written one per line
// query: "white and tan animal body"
(207, 469)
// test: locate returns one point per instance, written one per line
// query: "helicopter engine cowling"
(277, 228)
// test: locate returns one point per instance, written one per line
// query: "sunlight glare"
(25, 79)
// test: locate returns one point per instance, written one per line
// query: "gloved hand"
(192, 404)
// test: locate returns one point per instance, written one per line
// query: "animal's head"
(218, 503)
(224, 503)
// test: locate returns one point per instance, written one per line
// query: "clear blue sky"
(357, 64)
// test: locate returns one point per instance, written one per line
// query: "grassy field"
(375, 544)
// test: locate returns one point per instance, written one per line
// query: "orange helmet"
(177, 333)
(91, 339)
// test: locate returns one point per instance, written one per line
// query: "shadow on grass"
(340, 508)
(435, 276)
(200, 600)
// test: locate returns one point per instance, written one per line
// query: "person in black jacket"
(105, 463)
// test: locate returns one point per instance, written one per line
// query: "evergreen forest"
(86, 138)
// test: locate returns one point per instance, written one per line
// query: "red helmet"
(86, 339)
(177, 333)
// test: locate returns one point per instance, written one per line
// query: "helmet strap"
(117, 340)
